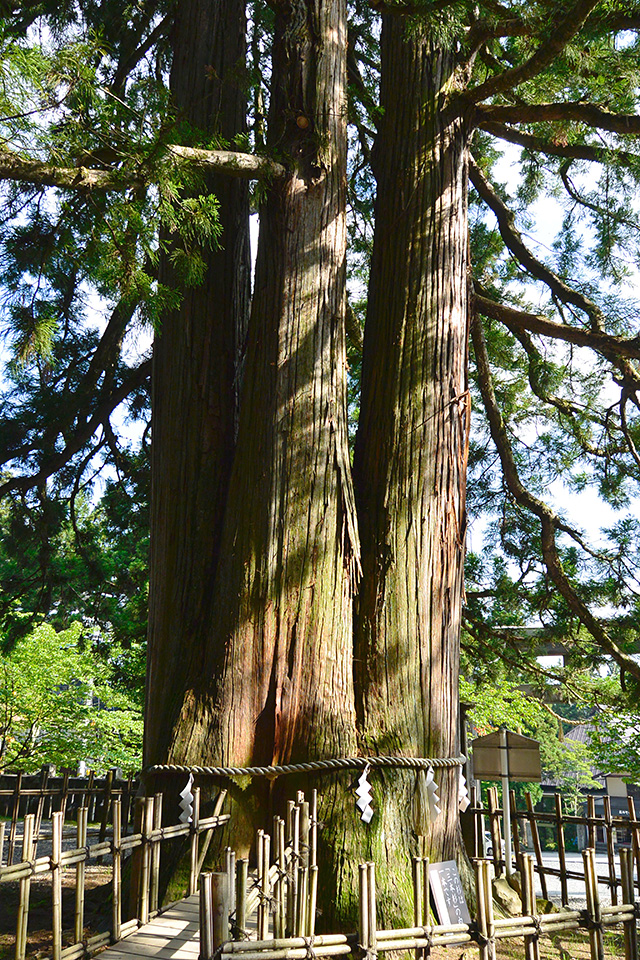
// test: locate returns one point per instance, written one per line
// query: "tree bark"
(275, 683)
(411, 445)
(196, 368)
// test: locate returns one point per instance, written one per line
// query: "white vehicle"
(488, 844)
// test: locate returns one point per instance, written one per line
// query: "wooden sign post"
(506, 756)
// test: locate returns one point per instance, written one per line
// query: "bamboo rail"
(606, 823)
(269, 898)
(143, 846)
(420, 938)
(42, 795)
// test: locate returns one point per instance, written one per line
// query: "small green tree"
(58, 704)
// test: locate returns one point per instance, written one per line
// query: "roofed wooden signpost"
(504, 755)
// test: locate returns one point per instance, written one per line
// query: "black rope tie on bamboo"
(485, 941)
(427, 933)
(537, 924)
(308, 945)
(264, 898)
(217, 953)
(367, 953)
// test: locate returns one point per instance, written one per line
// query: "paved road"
(577, 897)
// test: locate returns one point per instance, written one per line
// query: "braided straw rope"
(311, 766)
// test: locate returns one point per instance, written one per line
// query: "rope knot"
(428, 935)
(308, 945)
(537, 924)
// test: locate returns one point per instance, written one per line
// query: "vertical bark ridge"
(195, 375)
(280, 655)
(410, 455)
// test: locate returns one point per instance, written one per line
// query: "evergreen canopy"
(111, 224)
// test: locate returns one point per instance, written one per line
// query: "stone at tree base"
(506, 897)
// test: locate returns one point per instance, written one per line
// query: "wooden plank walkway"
(172, 935)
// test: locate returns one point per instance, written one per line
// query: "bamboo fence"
(43, 794)
(143, 845)
(285, 889)
(529, 819)
(281, 893)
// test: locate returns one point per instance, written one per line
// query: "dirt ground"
(575, 947)
(97, 899)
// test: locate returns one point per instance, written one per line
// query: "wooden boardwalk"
(171, 935)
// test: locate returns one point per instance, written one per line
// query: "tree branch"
(82, 434)
(560, 34)
(626, 124)
(549, 521)
(514, 242)
(602, 343)
(571, 151)
(242, 165)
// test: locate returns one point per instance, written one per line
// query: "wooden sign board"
(447, 892)
(522, 760)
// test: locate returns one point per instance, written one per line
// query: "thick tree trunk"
(275, 684)
(411, 446)
(195, 376)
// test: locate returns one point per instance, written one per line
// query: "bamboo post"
(44, 777)
(535, 836)
(81, 869)
(155, 853)
(514, 826)
(57, 822)
(2, 831)
(372, 945)
(494, 822)
(562, 853)
(611, 857)
(363, 907)
(304, 834)
(116, 879)
(136, 861)
(230, 867)
(591, 814)
(426, 900)
(596, 940)
(313, 901)
(145, 864)
(303, 893)
(531, 943)
(421, 898)
(25, 885)
(293, 871)
(629, 928)
(313, 837)
(280, 889)
(14, 817)
(483, 927)
(242, 874)
(488, 892)
(104, 818)
(278, 885)
(416, 864)
(195, 827)
(206, 917)
(265, 888)
(634, 826)
(278, 932)
(259, 881)
(219, 909)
